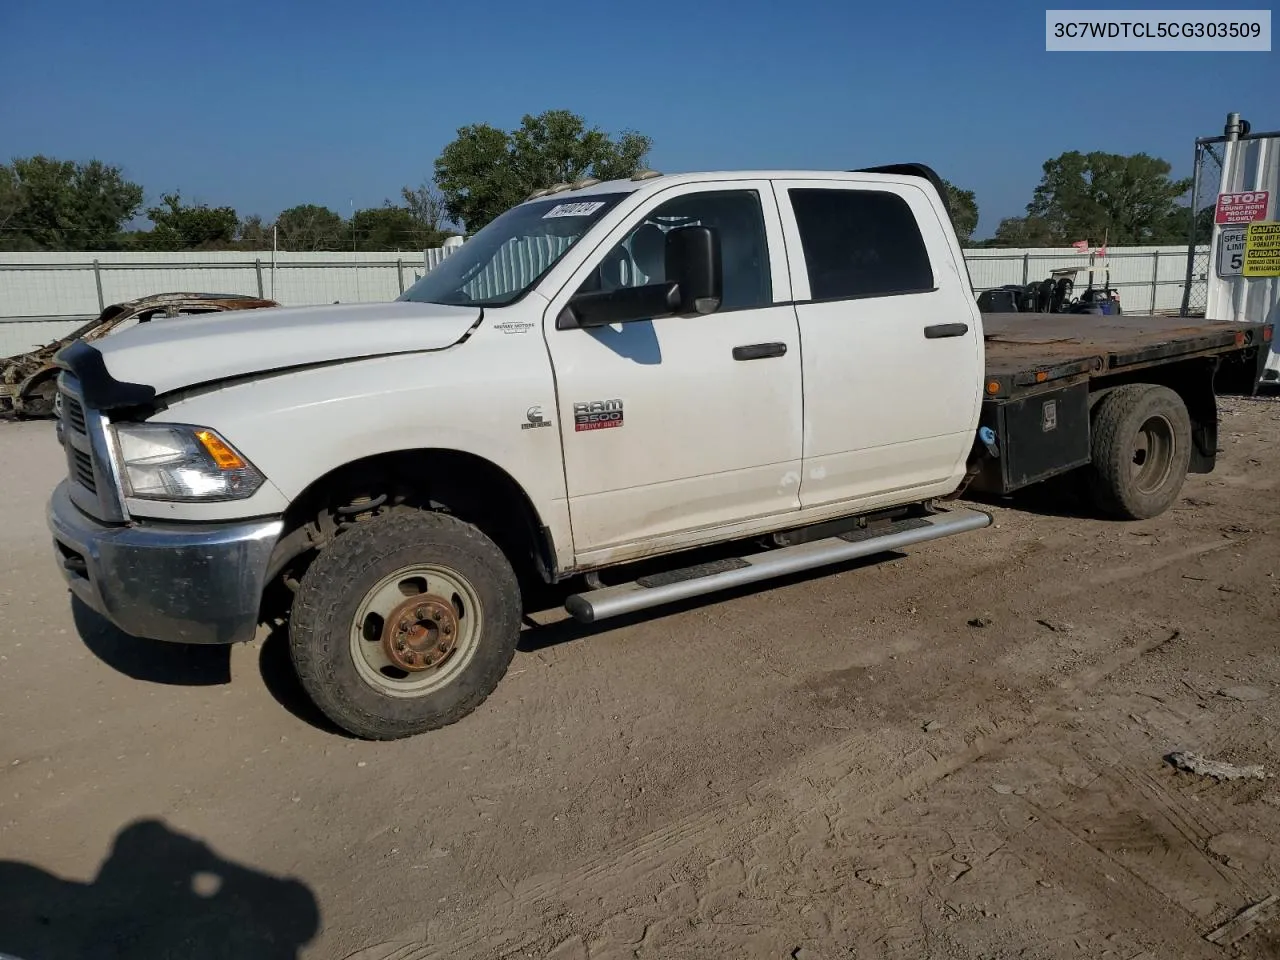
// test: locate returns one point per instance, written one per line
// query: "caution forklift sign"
(1262, 249)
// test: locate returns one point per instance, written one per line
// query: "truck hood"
(171, 354)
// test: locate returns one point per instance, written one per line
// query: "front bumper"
(189, 583)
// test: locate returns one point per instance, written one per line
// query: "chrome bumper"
(189, 583)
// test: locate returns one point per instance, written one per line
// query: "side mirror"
(693, 262)
(693, 286)
(623, 305)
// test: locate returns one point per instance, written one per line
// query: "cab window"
(860, 243)
(739, 219)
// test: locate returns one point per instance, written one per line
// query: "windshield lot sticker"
(583, 208)
(597, 415)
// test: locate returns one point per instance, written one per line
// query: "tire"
(404, 570)
(1141, 449)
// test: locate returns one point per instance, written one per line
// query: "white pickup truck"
(789, 362)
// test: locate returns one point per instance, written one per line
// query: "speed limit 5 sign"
(1231, 251)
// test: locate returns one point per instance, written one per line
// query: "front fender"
(297, 427)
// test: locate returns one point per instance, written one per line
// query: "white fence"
(46, 295)
(1150, 279)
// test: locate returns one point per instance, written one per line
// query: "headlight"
(169, 461)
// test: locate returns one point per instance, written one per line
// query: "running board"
(703, 578)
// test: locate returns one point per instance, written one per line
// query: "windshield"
(510, 254)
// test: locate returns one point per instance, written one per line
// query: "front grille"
(75, 414)
(89, 468)
(82, 465)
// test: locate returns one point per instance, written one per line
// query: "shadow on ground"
(281, 681)
(154, 661)
(159, 894)
(1062, 496)
(205, 665)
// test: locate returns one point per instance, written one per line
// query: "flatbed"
(1046, 372)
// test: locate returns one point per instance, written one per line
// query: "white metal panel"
(1248, 165)
(61, 285)
(20, 337)
(1148, 278)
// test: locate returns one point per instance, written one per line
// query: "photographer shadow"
(159, 894)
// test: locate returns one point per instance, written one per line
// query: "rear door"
(890, 337)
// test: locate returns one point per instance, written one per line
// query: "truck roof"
(652, 180)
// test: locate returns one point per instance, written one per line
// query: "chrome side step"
(706, 578)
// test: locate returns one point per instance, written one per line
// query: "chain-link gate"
(1204, 195)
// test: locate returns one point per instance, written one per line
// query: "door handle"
(759, 351)
(940, 330)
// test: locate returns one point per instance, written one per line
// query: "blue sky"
(265, 105)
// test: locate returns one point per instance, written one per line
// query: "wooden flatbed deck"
(1043, 370)
(1027, 350)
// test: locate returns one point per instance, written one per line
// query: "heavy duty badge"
(597, 415)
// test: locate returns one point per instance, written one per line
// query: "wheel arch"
(42, 375)
(466, 485)
(1194, 381)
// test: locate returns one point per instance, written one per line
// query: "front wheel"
(404, 624)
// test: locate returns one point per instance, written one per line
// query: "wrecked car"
(28, 381)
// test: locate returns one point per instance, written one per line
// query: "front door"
(675, 425)
(891, 338)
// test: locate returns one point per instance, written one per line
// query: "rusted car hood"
(169, 355)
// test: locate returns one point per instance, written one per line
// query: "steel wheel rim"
(1153, 453)
(428, 585)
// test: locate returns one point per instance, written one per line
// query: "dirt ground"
(958, 751)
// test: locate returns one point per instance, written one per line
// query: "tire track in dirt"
(822, 797)
(789, 854)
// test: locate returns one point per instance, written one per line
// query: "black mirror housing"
(694, 263)
(694, 286)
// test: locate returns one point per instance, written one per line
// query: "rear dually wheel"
(1141, 449)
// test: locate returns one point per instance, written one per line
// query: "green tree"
(428, 209)
(64, 205)
(417, 223)
(485, 170)
(388, 228)
(180, 226)
(478, 177)
(9, 203)
(1022, 232)
(964, 211)
(1124, 199)
(253, 234)
(311, 227)
(1178, 227)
